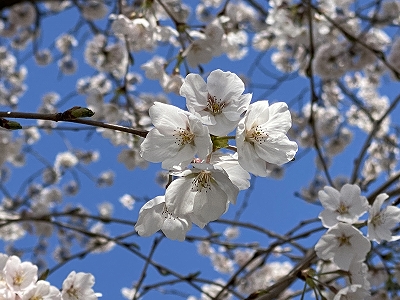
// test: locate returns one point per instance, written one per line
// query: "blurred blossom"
(127, 201)
(71, 188)
(65, 43)
(43, 57)
(106, 179)
(68, 65)
(65, 160)
(231, 233)
(23, 14)
(105, 209)
(94, 9)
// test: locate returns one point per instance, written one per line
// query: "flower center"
(73, 293)
(18, 279)
(166, 214)
(183, 136)
(214, 106)
(344, 240)
(202, 181)
(256, 135)
(378, 220)
(342, 209)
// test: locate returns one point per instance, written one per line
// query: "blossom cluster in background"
(344, 244)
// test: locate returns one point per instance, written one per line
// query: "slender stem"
(57, 117)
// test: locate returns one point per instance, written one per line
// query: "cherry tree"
(210, 99)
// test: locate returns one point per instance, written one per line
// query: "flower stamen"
(256, 135)
(214, 106)
(201, 181)
(342, 209)
(183, 136)
(344, 240)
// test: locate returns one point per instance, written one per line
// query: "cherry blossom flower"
(219, 102)
(204, 192)
(19, 275)
(178, 135)
(94, 10)
(42, 290)
(78, 286)
(380, 222)
(127, 201)
(154, 216)
(354, 292)
(344, 244)
(154, 68)
(345, 206)
(261, 137)
(358, 272)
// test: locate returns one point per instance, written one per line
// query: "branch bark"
(8, 3)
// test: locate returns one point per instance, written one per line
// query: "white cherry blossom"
(261, 137)
(42, 290)
(78, 286)
(358, 272)
(19, 275)
(177, 137)
(353, 292)
(219, 102)
(344, 244)
(203, 192)
(154, 216)
(381, 221)
(345, 206)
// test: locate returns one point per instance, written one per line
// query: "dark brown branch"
(58, 118)
(8, 3)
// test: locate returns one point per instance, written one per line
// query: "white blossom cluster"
(19, 280)
(202, 193)
(344, 244)
(259, 275)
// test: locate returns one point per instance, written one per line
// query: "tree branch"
(59, 117)
(8, 3)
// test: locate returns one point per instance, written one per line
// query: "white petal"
(150, 219)
(330, 198)
(257, 114)
(224, 85)
(226, 185)
(239, 176)
(343, 257)
(194, 89)
(184, 156)
(179, 196)
(210, 204)
(250, 161)
(176, 228)
(277, 151)
(156, 147)
(279, 119)
(167, 118)
(222, 126)
(328, 218)
(326, 246)
(376, 206)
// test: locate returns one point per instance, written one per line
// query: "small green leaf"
(77, 112)
(219, 142)
(11, 125)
